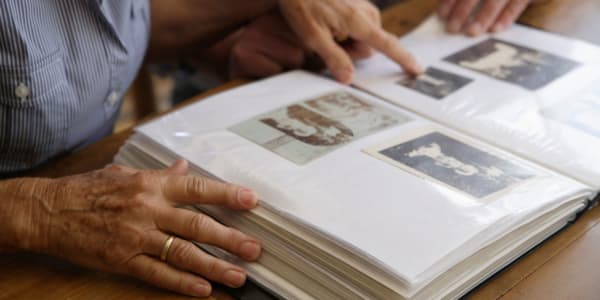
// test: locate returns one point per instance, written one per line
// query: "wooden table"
(567, 266)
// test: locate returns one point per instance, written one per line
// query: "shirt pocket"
(37, 107)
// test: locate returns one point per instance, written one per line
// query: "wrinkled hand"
(476, 17)
(268, 46)
(118, 220)
(321, 24)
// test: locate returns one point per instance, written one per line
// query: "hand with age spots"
(118, 219)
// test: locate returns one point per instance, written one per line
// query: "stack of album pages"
(421, 188)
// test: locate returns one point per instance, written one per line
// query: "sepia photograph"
(528, 68)
(435, 83)
(304, 131)
(451, 162)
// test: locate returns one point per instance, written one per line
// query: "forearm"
(184, 27)
(20, 214)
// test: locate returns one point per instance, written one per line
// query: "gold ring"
(165, 250)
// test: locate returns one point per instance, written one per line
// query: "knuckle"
(181, 285)
(141, 180)
(138, 201)
(196, 185)
(232, 236)
(183, 252)
(212, 268)
(200, 223)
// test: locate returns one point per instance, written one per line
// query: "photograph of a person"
(309, 127)
(525, 67)
(460, 166)
(435, 83)
(304, 131)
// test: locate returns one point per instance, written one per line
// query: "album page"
(530, 92)
(409, 196)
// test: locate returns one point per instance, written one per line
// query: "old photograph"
(454, 163)
(435, 83)
(304, 131)
(528, 68)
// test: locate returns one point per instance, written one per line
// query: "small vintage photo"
(304, 131)
(528, 68)
(435, 83)
(453, 163)
(580, 110)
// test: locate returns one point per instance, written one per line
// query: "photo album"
(398, 187)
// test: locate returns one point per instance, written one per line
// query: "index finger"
(388, 44)
(202, 190)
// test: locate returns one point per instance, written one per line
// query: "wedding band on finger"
(165, 250)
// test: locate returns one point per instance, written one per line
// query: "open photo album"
(399, 187)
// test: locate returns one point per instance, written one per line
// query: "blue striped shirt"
(64, 67)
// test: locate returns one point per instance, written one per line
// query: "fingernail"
(247, 198)
(475, 29)
(201, 290)
(345, 76)
(250, 250)
(454, 26)
(234, 278)
(497, 28)
(419, 69)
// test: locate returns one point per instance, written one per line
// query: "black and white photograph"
(453, 163)
(306, 130)
(526, 67)
(435, 83)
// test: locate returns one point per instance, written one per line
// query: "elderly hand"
(475, 17)
(120, 219)
(268, 46)
(321, 24)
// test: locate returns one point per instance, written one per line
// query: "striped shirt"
(64, 66)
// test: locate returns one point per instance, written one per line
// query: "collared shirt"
(64, 67)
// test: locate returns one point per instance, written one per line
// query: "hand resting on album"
(122, 220)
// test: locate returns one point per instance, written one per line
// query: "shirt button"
(112, 98)
(22, 91)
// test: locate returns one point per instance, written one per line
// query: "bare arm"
(185, 27)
